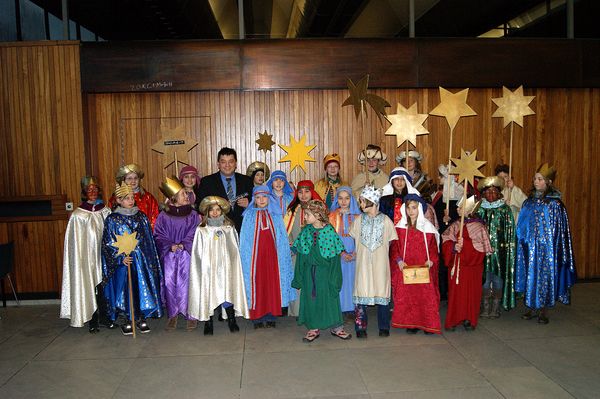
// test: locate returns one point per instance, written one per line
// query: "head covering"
(127, 169)
(186, 170)
(258, 166)
(416, 197)
(471, 205)
(549, 172)
(279, 174)
(211, 200)
(491, 181)
(371, 193)
(171, 186)
(331, 158)
(422, 224)
(372, 152)
(354, 207)
(121, 191)
(456, 191)
(413, 154)
(319, 209)
(264, 191)
(399, 173)
(88, 181)
(304, 184)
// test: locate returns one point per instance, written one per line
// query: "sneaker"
(126, 329)
(143, 327)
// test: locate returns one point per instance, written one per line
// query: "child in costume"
(216, 277)
(373, 232)
(281, 190)
(499, 267)
(464, 257)
(412, 164)
(258, 172)
(143, 261)
(132, 175)
(266, 259)
(318, 274)
(343, 212)
(82, 265)
(188, 175)
(416, 306)
(545, 267)
(327, 186)
(174, 234)
(371, 158)
(512, 195)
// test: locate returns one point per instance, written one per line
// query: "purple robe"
(171, 230)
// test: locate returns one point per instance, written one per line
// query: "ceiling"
(275, 19)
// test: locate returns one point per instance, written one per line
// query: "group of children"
(315, 256)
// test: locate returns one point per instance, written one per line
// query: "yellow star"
(358, 97)
(126, 243)
(407, 124)
(453, 106)
(513, 106)
(467, 166)
(297, 153)
(265, 141)
(174, 141)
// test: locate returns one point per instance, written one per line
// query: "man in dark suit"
(235, 187)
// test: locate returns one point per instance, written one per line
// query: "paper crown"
(549, 172)
(126, 169)
(331, 158)
(122, 190)
(471, 205)
(171, 186)
(88, 181)
(371, 193)
(254, 166)
(211, 200)
(372, 152)
(491, 181)
(413, 154)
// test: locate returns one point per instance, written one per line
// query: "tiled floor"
(41, 357)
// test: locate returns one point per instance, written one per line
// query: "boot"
(485, 304)
(171, 324)
(94, 324)
(208, 326)
(233, 327)
(495, 313)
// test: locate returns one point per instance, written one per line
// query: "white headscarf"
(422, 224)
(399, 173)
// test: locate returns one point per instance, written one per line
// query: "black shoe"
(428, 332)
(126, 329)
(233, 327)
(94, 324)
(208, 327)
(361, 334)
(468, 326)
(529, 315)
(258, 325)
(143, 326)
(271, 324)
(111, 325)
(412, 331)
(384, 333)
(284, 311)
(542, 319)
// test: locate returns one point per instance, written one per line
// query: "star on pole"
(513, 106)
(174, 142)
(265, 142)
(407, 124)
(359, 96)
(297, 153)
(126, 243)
(467, 166)
(453, 106)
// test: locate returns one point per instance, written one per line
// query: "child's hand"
(127, 261)
(446, 218)
(402, 264)
(242, 202)
(429, 264)
(174, 247)
(459, 244)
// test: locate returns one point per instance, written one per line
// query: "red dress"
(464, 298)
(266, 289)
(415, 305)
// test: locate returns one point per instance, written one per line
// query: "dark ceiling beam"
(326, 18)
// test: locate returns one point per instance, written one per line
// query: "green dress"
(318, 276)
(500, 223)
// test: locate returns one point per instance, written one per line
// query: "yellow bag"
(416, 274)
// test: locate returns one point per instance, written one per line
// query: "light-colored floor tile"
(454, 393)
(524, 382)
(183, 377)
(300, 374)
(66, 379)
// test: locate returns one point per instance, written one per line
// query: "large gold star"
(513, 106)
(265, 141)
(467, 166)
(453, 106)
(297, 153)
(358, 97)
(126, 243)
(407, 124)
(174, 141)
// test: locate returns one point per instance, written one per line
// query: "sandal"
(341, 334)
(311, 335)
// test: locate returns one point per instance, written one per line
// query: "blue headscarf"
(354, 208)
(272, 207)
(279, 174)
(415, 197)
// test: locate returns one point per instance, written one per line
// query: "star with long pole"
(453, 106)
(513, 106)
(297, 153)
(467, 166)
(359, 98)
(265, 141)
(407, 124)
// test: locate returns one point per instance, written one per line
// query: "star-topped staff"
(407, 124)
(175, 146)
(467, 167)
(453, 106)
(512, 106)
(125, 244)
(265, 143)
(359, 98)
(297, 153)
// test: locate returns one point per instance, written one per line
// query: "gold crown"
(471, 205)
(171, 186)
(126, 169)
(88, 181)
(549, 172)
(491, 181)
(254, 166)
(211, 200)
(121, 191)
(331, 158)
